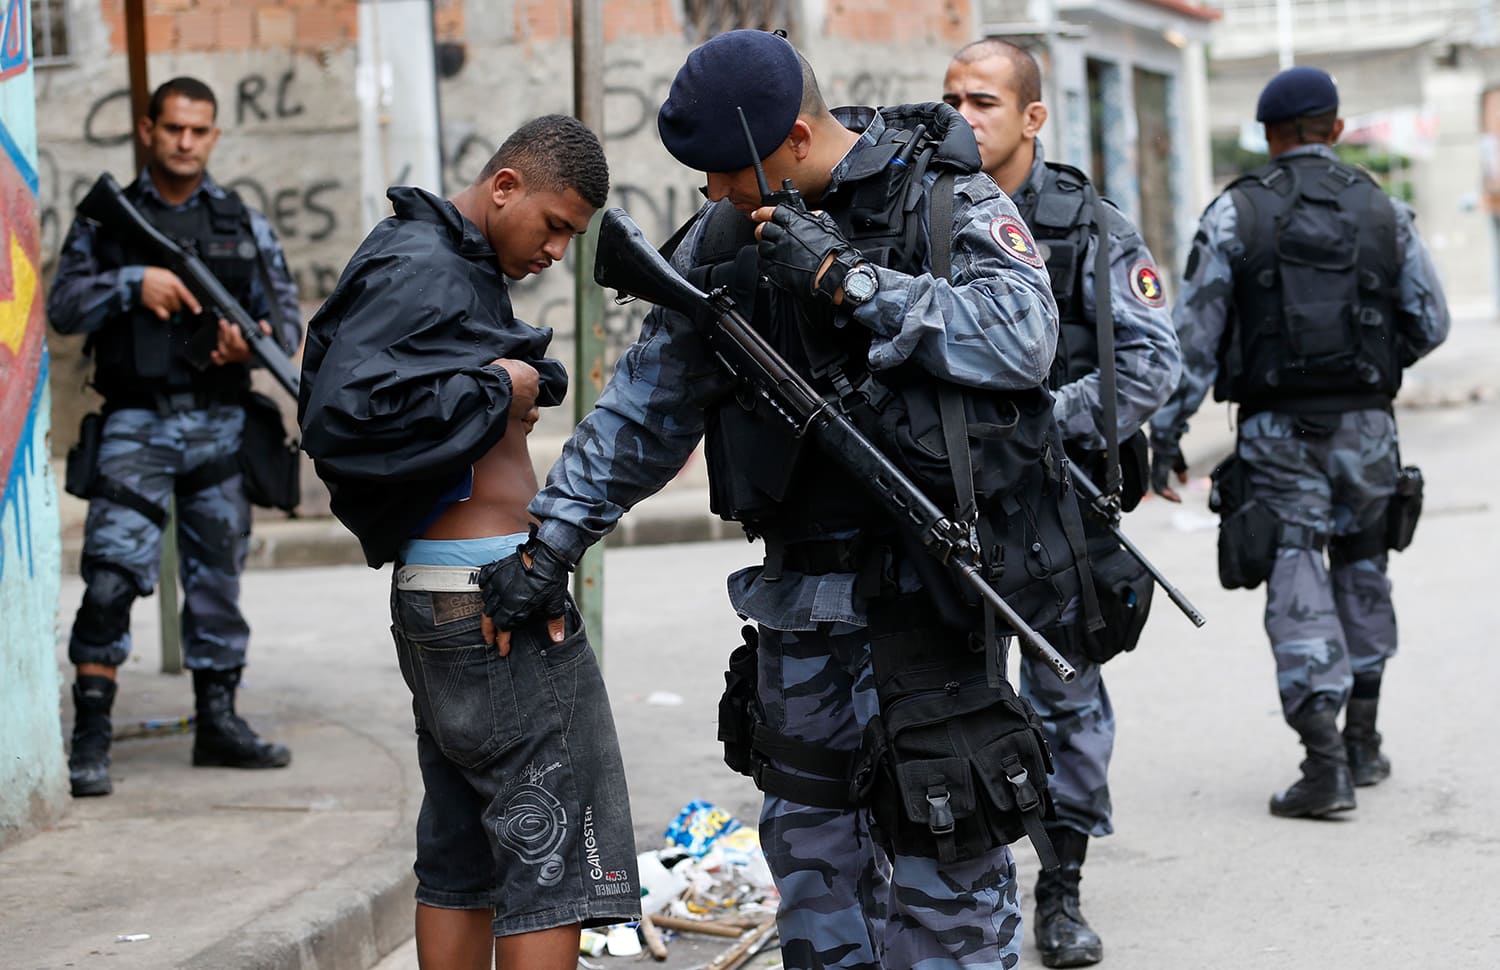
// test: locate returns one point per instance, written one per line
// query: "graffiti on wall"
(307, 206)
(22, 347)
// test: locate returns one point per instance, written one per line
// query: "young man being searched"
(419, 389)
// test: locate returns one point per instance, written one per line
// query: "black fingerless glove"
(516, 594)
(793, 246)
(1166, 458)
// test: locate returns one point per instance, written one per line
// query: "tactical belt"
(171, 402)
(1318, 404)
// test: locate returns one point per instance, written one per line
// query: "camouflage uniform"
(1077, 716)
(148, 451)
(844, 904)
(1331, 477)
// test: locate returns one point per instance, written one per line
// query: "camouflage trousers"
(844, 903)
(147, 452)
(1079, 723)
(1325, 624)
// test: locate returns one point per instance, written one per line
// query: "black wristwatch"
(860, 284)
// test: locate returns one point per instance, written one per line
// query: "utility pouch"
(952, 767)
(1402, 513)
(736, 711)
(1124, 587)
(269, 460)
(82, 470)
(1248, 531)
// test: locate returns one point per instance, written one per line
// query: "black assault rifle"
(106, 204)
(1109, 514)
(628, 263)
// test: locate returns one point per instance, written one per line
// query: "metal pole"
(1285, 51)
(135, 54)
(166, 595)
(140, 101)
(588, 299)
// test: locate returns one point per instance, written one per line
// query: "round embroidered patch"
(1015, 240)
(1145, 283)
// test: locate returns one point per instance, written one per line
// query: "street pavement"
(309, 867)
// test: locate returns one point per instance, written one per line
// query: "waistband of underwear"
(438, 579)
(460, 552)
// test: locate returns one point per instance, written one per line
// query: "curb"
(347, 923)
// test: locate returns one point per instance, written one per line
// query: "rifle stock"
(626, 262)
(106, 204)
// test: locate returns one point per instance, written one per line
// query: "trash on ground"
(132, 937)
(711, 879)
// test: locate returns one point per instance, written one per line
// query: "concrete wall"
(32, 776)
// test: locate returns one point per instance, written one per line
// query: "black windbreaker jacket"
(399, 395)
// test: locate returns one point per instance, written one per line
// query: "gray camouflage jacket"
(993, 326)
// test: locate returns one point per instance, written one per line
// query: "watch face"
(859, 285)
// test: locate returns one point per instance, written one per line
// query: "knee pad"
(104, 615)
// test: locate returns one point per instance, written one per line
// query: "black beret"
(751, 69)
(1296, 93)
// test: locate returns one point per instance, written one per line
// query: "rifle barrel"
(1178, 598)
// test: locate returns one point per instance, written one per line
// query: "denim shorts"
(525, 809)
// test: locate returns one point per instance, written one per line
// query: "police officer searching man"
(996, 86)
(899, 868)
(170, 427)
(1307, 292)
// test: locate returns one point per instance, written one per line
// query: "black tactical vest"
(1061, 219)
(760, 473)
(136, 353)
(1315, 293)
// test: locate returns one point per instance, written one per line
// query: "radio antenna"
(760, 172)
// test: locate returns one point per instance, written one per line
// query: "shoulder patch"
(1012, 236)
(1145, 283)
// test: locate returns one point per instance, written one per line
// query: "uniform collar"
(1036, 179)
(207, 187)
(859, 162)
(1326, 151)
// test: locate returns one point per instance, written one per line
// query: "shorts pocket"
(465, 698)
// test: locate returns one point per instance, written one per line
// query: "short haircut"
(1028, 75)
(555, 153)
(185, 87)
(1306, 130)
(813, 105)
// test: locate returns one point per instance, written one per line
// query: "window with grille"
(49, 32)
(707, 18)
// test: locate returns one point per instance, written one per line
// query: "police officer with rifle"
(866, 702)
(1307, 292)
(1117, 360)
(177, 410)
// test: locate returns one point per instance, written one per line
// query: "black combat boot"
(1325, 786)
(1063, 936)
(1367, 766)
(88, 761)
(223, 738)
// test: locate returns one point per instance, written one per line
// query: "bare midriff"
(504, 484)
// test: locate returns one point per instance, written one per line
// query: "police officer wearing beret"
(170, 426)
(1307, 292)
(996, 86)
(852, 285)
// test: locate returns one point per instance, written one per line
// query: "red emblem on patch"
(1145, 283)
(1015, 240)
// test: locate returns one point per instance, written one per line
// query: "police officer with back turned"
(996, 86)
(881, 854)
(171, 426)
(1307, 293)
